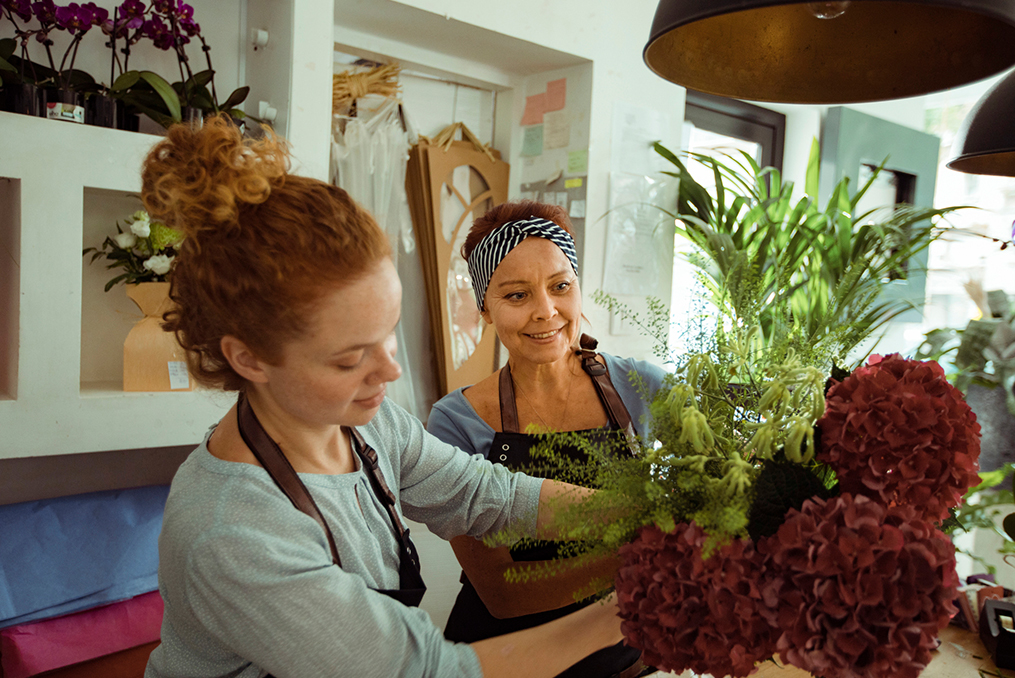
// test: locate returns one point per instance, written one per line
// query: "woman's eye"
(516, 296)
(563, 286)
(349, 363)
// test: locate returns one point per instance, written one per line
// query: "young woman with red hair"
(283, 550)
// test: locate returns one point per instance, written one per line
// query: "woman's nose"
(544, 307)
(387, 369)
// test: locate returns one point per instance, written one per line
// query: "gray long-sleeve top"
(248, 582)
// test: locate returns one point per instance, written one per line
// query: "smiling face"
(336, 372)
(534, 302)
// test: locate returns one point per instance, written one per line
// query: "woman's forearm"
(554, 496)
(549, 649)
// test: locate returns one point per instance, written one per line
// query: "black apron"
(470, 621)
(410, 583)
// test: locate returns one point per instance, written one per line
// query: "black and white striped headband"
(492, 249)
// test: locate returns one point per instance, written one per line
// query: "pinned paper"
(532, 140)
(556, 94)
(577, 209)
(179, 378)
(535, 106)
(561, 199)
(558, 129)
(578, 162)
(573, 183)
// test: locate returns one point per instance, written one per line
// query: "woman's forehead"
(534, 254)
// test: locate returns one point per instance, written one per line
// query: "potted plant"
(169, 24)
(18, 92)
(813, 275)
(143, 257)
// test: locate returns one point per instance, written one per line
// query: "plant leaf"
(165, 90)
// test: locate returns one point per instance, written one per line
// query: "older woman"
(283, 550)
(524, 270)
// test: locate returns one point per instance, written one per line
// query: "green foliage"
(982, 508)
(810, 277)
(984, 352)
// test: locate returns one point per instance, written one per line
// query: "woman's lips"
(373, 401)
(545, 335)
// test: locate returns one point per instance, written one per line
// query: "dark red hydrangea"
(857, 589)
(897, 431)
(684, 612)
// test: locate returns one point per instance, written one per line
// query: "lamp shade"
(829, 52)
(986, 141)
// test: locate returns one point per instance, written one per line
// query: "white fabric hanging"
(369, 158)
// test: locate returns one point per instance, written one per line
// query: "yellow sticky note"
(573, 183)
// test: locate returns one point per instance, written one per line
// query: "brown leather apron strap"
(616, 411)
(615, 408)
(508, 408)
(278, 467)
(387, 497)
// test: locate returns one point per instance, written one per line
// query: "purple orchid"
(190, 27)
(45, 12)
(132, 13)
(74, 19)
(159, 33)
(100, 15)
(22, 8)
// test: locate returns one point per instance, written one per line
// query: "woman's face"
(534, 303)
(337, 371)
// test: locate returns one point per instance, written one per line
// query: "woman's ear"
(485, 315)
(242, 360)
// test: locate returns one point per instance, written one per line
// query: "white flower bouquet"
(145, 251)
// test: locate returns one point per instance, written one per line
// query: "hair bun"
(197, 179)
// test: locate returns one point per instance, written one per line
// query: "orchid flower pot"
(126, 120)
(152, 358)
(20, 98)
(102, 111)
(63, 104)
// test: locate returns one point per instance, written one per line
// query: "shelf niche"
(10, 285)
(106, 317)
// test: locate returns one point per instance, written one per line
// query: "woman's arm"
(549, 649)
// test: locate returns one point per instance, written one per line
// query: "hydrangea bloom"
(857, 589)
(896, 430)
(685, 612)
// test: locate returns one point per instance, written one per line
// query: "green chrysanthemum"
(163, 236)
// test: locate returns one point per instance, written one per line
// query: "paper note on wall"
(532, 140)
(557, 132)
(634, 130)
(578, 162)
(639, 235)
(535, 106)
(556, 94)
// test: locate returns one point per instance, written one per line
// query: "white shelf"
(71, 182)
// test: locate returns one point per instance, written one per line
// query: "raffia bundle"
(346, 87)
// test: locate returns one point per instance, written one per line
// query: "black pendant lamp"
(986, 141)
(795, 51)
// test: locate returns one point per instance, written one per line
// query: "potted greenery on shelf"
(152, 358)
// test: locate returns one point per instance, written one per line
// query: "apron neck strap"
(274, 461)
(616, 411)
